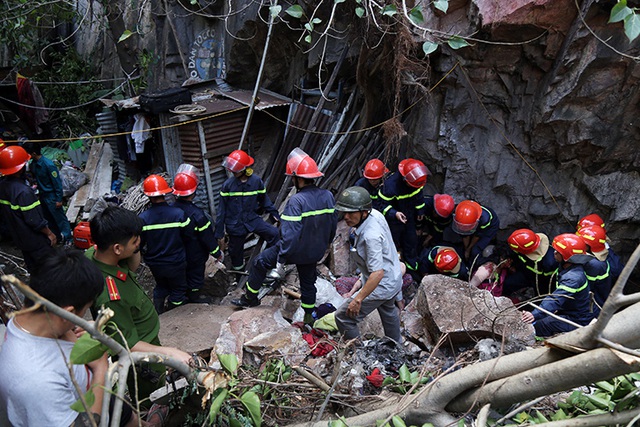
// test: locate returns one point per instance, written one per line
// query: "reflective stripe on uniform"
(490, 217)
(20, 208)
(602, 277)
(573, 290)
(204, 227)
(167, 225)
(243, 194)
(303, 305)
(307, 214)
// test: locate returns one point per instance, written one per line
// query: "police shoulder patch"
(54, 174)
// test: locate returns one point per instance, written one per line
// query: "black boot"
(244, 301)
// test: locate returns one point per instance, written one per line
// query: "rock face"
(466, 314)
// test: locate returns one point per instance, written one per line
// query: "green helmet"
(353, 199)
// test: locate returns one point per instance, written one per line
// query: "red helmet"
(375, 169)
(446, 260)
(184, 184)
(568, 245)
(12, 159)
(301, 164)
(190, 170)
(591, 219)
(443, 205)
(155, 185)
(524, 241)
(237, 161)
(594, 236)
(414, 172)
(466, 217)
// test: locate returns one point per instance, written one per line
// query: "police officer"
(204, 244)
(166, 231)
(308, 227)
(243, 198)
(21, 209)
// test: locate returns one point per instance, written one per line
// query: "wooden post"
(206, 169)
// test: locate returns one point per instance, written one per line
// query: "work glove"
(276, 273)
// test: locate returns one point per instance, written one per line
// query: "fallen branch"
(312, 378)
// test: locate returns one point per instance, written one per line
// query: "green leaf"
(308, 38)
(416, 15)
(389, 10)
(295, 11)
(619, 12)
(429, 47)
(398, 422)
(229, 362)
(360, 11)
(388, 380)
(404, 373)
(308, 26)
(337, 423)
(86, 350)
(600, 402)
(125, 35)
(559, 415)
(251, 401)
(442, 5)
(217, 404)
(632, 26)
(457, 42)
(235, 423)
(338, 1)
(275, 10)
(89, 398)
(315, 21)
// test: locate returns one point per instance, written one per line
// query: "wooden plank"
(79, 199)
(101, 182)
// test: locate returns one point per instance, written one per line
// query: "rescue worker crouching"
(443, 260)
(376, 257)
(535, 265)
(243, 198)
(477, 225)
(438, 215)
(308, 227)
(373, 177)
(198, 250)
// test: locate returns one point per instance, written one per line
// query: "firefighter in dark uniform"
(402, 203)
(372, 178)
(535, 265)
(438, 215)
(166, 231)
(21, 210)
(443, 260)
(204, 244)
(243, 199)
(478, 226)
(308, 227)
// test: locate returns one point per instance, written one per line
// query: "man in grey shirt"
(377, 259)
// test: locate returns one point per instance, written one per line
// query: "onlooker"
(116, 232)
(49, 183)
(166, 231)
(21, 209)
(570, 300)
(204, 244)
(37, 384)
(379, 265)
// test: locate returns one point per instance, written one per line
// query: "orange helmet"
(591, 219)
(414, 172)
(443, 205)
(446, 260)
(237, 161)
(568, 245)
(466, 217)
(524, 241)
(301, 164)
(184, 184)
(594, 236)
(155, 185)
(375, 169)
(12, 159)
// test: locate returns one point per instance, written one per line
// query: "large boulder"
(466, 314)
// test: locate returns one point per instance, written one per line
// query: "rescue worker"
(591, 219)
(402, 203)
(603, 269)
(308, 227)
(243, 199)
(443, 260)
(197, 250)
(570, 299)
(49, 183)
(165, 233)
(372, 177)
(376, 257)
(438, 215)
(21, 210)
(535, 264)
(478, 226)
